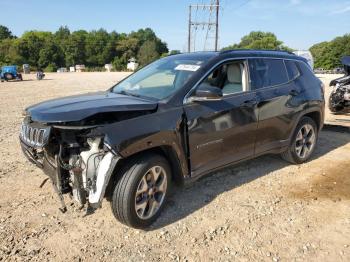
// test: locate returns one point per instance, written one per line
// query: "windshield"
(160, 79)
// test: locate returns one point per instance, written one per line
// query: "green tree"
(97, 48)
(327, 55)
(10, 52)
(118, 64)
(31, 43)
(65, 48)
(174, 52)
(259, 40)
(148, 34)
(5, 33)
(126, 48)
(148, 53)
(62, 33)
(51, 55)
(74, 48)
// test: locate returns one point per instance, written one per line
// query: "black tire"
(8, 76)
(291, 155)
(20, 77)
(125, 192)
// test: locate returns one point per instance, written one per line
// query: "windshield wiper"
(123, 92)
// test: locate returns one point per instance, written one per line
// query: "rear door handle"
(249, 103)
(294, 92)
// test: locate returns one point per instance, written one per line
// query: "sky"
(298, 23)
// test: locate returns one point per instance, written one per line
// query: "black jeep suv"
(174, 121)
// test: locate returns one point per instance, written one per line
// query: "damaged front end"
(77, 160)
(339, 99)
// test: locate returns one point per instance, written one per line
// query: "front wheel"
(303, 142)
(141, 191)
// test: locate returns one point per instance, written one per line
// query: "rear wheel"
(8, 76)
(142, 190)
(303, 142)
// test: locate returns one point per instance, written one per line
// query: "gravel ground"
(261, 210)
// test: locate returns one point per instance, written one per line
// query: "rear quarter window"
(305, 70)
(265, 72)
(292, 69)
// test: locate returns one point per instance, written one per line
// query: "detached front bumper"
(32, 154)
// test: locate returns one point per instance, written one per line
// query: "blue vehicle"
(10, 73)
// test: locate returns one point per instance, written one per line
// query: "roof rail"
(257, 50)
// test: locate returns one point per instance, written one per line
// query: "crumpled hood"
(79, 107)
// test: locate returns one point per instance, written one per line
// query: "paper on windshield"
(184, 67)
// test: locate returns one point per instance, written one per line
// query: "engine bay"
(77, 161)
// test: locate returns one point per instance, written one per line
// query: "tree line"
(326, 55)
(94, 49)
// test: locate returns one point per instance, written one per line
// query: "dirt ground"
(261, 210)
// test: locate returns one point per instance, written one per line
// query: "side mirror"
(206, 92)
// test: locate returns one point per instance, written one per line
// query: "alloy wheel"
(150, 192)
(305, 141)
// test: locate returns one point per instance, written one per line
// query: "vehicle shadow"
(17, 81)
(185, 201)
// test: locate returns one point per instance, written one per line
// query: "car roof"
(9, 67)
(241, 53)
(202, 55)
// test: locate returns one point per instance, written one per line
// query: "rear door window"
(265, 72)
(292, 69)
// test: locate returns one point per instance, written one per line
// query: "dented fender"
(163, 128)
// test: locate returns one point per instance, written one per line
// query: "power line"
(195, 24)
(239, 6)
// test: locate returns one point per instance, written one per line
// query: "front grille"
(34, 136)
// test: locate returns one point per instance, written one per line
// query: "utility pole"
(194, 25)
(189, 28)
(217, 25)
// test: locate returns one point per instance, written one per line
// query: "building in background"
(307, 55)
(108, 67)
(80, 68)
(26, 69)
(132, 65)
(62, 70)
